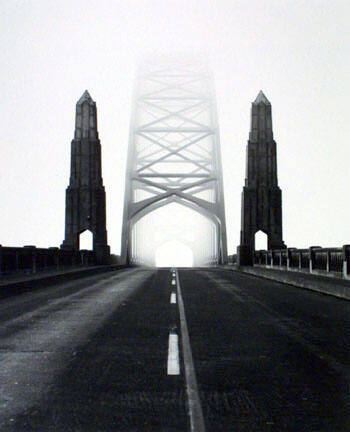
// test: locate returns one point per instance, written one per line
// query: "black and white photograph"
(174, 219)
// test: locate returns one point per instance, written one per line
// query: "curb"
(321, 284)
(13, 288)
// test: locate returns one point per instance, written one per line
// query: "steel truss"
(174, 152)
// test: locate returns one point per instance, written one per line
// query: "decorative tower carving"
(85, 195)
(261, 196)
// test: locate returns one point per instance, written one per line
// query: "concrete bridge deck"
(92, 355)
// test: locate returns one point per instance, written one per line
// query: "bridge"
(254, 341)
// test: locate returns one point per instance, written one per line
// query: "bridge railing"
(315, 259)
(30, 259)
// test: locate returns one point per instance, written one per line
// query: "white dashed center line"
(173, 355)
(194, 404)
(173, 298)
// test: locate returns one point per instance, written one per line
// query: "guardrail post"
(17, 260)
(346, 261)
(46, 259)
(256, 257)
(56, 260)
(59, 254)
(312, 257)
(33, 257)
(34, 260)
(289, 258)
(84, 257)
(328, 263)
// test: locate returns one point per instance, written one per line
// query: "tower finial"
(85, 97)
(261, 119)
(85, 117)
(261, 98)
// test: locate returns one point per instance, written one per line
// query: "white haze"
(296, 51)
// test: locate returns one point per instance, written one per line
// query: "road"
(203, 350)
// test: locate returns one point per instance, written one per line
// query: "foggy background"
(295, 51)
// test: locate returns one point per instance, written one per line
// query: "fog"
(296, 52)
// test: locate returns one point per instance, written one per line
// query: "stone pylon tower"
(261, 196)
(85, 195)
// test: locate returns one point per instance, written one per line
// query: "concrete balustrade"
(30, 259)
(315, 259)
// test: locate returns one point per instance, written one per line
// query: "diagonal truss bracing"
(174, 150)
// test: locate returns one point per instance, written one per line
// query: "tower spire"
(261, 119)
(85, 97)
(261, 98)
(85, 118)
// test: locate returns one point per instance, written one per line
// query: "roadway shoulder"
(326, 285)
(10, 287)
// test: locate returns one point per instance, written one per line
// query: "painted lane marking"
(194, 404)
(173, 298)
(173, 355)
(173, 282)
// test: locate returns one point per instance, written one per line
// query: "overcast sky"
(297, 52)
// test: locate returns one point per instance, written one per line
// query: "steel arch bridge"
(174, 154)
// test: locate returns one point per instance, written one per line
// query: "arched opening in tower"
(86, 240)
(260, 241)
(174, 254)
(174, 230)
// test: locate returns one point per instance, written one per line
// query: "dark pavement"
(91, 355)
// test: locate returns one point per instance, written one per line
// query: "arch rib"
(174, 150)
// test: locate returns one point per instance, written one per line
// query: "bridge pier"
(261, 196)
(85, 195)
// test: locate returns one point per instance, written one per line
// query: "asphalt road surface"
(202, 350)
